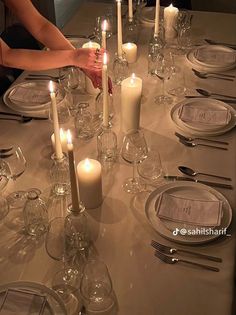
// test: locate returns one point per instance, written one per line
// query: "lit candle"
(130, 50)
(73, 179)
(170, 15)
(119, 28)
(130, 10)
(63, 140)
(58, 149)
(104, 30)
(88, 83)
(105, 91)
(157, 16)
(90, 183)
(131, 91)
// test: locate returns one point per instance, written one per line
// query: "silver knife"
(219, 185)
(215, 98)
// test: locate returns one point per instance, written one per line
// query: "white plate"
(174, 116)
(54, 304)
(190, 57)
(204, 103)
(189, 189)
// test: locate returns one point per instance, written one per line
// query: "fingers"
(109, 85)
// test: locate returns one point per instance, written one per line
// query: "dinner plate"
(198, 66)
(196, 193)
(54, 304)
(174, 116)
(188, 189)
(206, 103)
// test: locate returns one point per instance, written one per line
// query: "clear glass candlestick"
(156, 46)
(60, 175)
(120, 69)
(99, 107)
(84, 122)
(107, 146)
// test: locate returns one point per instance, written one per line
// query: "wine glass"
(183, 27)
(66, 281)
(163, 71)
(11, 167)
(134, 150)
(96, 287)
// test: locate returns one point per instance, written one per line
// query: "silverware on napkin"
(171, 250)
(183, 178)
(173, 260)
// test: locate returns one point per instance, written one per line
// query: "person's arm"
(43, 30)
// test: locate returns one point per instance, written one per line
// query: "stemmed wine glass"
(134, 150)
(13, 166)
(163, 70)
(66, 281)
(183, 27)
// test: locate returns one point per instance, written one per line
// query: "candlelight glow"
(62, 133)
(87, 165)
(69, 137)
(104, 25)
(129, 45)
(51, 87)
(171, 5)
(105, 58)
(132, 78)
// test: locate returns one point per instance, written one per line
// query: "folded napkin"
(191, 211)
(215, 57)
(29, 95)
(206, 116)
(22, 303)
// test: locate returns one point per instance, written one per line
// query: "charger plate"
(188, 190)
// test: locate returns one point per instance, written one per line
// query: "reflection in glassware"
(60, 175)
(84, 122)
(151, 168)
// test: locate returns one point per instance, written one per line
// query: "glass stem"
(134, 169)
(163, 86)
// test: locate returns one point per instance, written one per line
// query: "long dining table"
(119, 229)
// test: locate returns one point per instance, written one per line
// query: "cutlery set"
(20, 118)
(164, 253)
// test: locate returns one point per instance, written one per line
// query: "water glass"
(98, 26)
(60, 175)
(175, 85)
(35, 215)
(107, 147)
(96, 287)
(151, 168)
(84, 122)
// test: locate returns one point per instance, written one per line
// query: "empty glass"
(96, 287)
(183, 27)
(84, 122)
(107, 147)
(99, 106)
(35, 215)
(134, 150)
(98, 26)
(151, 168)
(175, 85)
(60, 175)
(63, 103)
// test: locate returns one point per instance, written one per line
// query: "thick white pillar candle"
(88, 83)
(119, 28)
(130, 50)
(105, 91)
(58, 149)
(90, 183)
(104, 31)
(170, 15)
(73, 179)
(63, 139)
(130, 10)
(157, 16)
(131, 91)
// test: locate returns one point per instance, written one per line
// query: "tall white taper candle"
(104, 31)
(157, 16)
(105, 91)
(119, 28)
(130, 10)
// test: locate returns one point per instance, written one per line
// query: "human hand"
(96, 78)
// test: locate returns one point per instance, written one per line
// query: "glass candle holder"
(156, 46)
(107, 146)
(60, 175)
(120, 69)
(99, 107)
(131, 31)
(84, 122)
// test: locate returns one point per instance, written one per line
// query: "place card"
(191, 211)
(188, 113)
(215, 57)
(22, 303)
(23, 94)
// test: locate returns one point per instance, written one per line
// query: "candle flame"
(51, 87)
(61, 132)
(132, 78)
(104, 25)
(69, 137)
(171, 5)
(87, 165)
(105, 58)
(129, 45)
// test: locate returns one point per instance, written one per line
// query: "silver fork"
(174, 260)
(171, 250)
(194, 144)
(204, 139)
(46, 76)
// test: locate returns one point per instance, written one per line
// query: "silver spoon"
(193, 144)
(208, 94)
(214, 73)
(205, 76)
(190, 172)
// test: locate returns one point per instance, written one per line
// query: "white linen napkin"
(191, 211)
(206, 116)
(29, 95)
(22, 303)
(215, 57)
